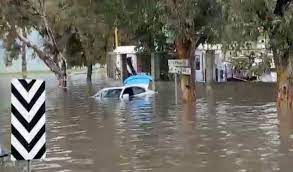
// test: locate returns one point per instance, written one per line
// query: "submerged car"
(134, 86)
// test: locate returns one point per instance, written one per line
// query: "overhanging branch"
(42, 55)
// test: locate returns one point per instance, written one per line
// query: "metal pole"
(176, 89)
(153, 70)
(28, 166)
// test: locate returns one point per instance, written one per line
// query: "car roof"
(112, 88)
(136, 85)
(123, 87)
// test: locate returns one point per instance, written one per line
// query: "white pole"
(176, 89)
(153, 70)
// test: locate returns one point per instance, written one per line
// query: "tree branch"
(46, 58)
(47, 27)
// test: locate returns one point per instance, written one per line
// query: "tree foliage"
(156, 24)
(248, 20)
(92, 38)
(19, 16)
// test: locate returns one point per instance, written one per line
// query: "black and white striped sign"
(28, 132)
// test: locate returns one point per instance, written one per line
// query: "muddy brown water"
(234, 127)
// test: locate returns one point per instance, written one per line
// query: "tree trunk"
(63, 74)
(89, 73)
(285, 83)
(23, 62)
(185, 50)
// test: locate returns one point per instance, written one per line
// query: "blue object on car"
(138, 80)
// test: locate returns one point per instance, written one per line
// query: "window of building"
(197, 62)
(222, 75)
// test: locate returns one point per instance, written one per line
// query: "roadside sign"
(186, 71)
(180, 70)
(178, 63)
(28, 119)
(179, 67)
(174, 70)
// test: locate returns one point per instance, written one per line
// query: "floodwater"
(233, 127)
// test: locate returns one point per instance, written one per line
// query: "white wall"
(134, 61)
(219, 64)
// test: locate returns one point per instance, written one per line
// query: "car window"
(113, 93)
(138, 90)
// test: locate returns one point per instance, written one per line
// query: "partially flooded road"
(233, 127)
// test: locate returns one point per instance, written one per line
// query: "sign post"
(28, 166)
(28, 132)
(180, 67)
(176, 89)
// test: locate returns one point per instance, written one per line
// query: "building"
(220, 68)
(143, 63)
(130, 52)
(119, 60)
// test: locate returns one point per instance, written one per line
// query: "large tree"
(188, 22)
(247, 20)
(193, 22)
(74, 32)
(13, 50)
(18, 15)
(93, 32)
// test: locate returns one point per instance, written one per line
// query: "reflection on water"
(232, 128)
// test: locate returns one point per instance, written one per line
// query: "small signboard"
(181, 70)
(174, 69)
(186, 71)
(178, 63)
(179, 67)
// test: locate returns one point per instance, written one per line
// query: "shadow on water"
(234, 127)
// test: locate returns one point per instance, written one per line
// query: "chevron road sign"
(28, 133)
